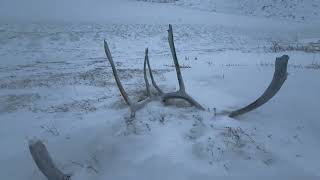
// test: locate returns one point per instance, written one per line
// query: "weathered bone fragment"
(133, 106)
(278, 80)
(44, 161)
(152, 79)
(279, 77)
(145, 73)
(181, 93)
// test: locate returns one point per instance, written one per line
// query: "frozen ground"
(56, 85)
(296, 10)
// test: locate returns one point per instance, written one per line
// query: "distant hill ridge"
(299, 10)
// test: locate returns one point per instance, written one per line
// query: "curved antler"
(133, 106)
(279, 77)
(181, 93)
(152, 79)
(145, 73)
(175, 59)
(44, 161)
(115, 74)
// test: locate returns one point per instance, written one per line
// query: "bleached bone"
(152, 79)
(181, 93)
(133, 106)
(44, 161)
(279, 77)
(145, 73)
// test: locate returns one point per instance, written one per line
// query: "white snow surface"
(56, 85)
(297, 10)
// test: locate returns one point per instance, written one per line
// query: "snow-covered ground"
(56, 85)
(296, 10)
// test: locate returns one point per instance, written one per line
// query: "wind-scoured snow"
(56, 85)
(296, 10)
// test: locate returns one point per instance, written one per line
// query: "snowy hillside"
(299, 10)
(56, 85)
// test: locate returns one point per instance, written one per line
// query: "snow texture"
(299, 10)
(57, 86)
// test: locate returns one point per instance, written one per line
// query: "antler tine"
(133, 106)
(145, 73)
(181, 93)
(115, 74)
(279, 77)
(152, 79)
(142, 103)
(44, 162)
(175, 59)
(118, 82)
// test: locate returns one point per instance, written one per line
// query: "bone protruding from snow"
(152, 78)
(181, 93)
(133, 106)
(279, 77)
(44, 161)
(175, 59)
(115, 74)
(145, 73)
